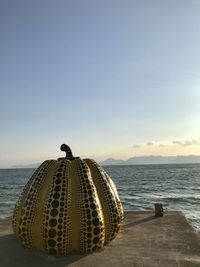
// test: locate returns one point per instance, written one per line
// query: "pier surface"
(144, 240)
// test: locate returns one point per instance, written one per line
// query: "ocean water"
(177, 187)
(139, 187)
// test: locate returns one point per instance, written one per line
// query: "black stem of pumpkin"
(68, 151)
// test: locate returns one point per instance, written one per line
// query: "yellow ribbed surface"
(75, 192)
(58, 206)
(43, 190)
(67, 206)
(108, 199)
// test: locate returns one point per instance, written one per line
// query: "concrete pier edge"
(144, 240)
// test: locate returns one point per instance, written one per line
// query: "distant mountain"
(153, 160)
(111, 161)
(138, 161)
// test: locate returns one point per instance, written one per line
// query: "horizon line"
(29, 165)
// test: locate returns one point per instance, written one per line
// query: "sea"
(176, 186)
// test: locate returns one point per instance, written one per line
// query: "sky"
(114, 78)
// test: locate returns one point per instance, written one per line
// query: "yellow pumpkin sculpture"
(68, 205)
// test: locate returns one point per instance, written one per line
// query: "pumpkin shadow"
(12, 254)
(147, 219)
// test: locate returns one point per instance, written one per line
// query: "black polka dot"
(52, 233)
(51, 243)
(59, 174)
(55, 204)
(56, 196)
(89, 235)
(95, 221)
(53, 222)
(54, 212)
(57, 188)
(91, 199)
(89, 223)
(93, 206)
(60, 233)
(94, 213)
(58, 181)
(96, 231)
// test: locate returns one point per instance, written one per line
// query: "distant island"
(138, 161)
(153, 160)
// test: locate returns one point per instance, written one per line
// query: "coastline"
(144, 240)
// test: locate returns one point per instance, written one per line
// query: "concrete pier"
(145, 240)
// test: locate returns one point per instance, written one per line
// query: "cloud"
(177, 142)
(187, 143)
(136, 146)
(149, 143)
(161, 145)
